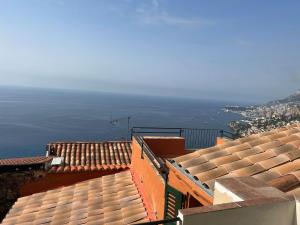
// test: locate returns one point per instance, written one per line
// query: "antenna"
(114, 122)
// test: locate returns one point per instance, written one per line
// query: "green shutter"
(173, 202)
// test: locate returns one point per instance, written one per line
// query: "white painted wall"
(279, 213)
(223, 195)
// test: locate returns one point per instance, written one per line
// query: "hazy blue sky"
(227, 49)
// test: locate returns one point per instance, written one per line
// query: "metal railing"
(157, 162)
(194, 137)
(200, 138)
(171, 131)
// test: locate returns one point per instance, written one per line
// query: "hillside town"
(257, 119)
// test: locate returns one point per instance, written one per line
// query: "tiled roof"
(272, 157)
(111, 199)
(91, 156)
(24, 161)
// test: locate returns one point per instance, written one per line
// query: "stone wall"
(10, 185)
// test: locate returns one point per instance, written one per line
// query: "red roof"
(24, 161)
(91, 156)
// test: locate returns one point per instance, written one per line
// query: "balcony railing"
(194, 137)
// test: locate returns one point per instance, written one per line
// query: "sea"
(32, 117)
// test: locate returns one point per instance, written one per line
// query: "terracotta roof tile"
(25, 161)
(283, 148)
(259, 141)
(208, 150)
(288, 139)
(248, 152)
(272, 162)
(296, 144)
(286, 183)
(287, 168)
(238, 148)
(237, 165)
(111, 199)
(283, 128)
(216, 154)
(201, 168)
(271, 157)
(267, 175)
(292, 131)
(296, 173)
(292, 155)
(261, 156)
(229, 144)
(249, 138)
(187, 157)
(211, 174)
(225, 159)
(91, 156)
(193, 161)
(269, 145)
(276, 136)
(249, 171)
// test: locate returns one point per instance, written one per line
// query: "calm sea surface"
(31, 118)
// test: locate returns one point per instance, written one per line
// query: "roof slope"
(112, 199)
(272, 157)
(91, 156)
(24, 161)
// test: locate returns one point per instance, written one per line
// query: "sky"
(237, 50)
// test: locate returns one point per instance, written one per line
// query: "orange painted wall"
(221, 140)
(185, 186)
(151, 180)
(55, 180)
(166, 146)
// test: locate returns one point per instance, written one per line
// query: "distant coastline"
(261, 118)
